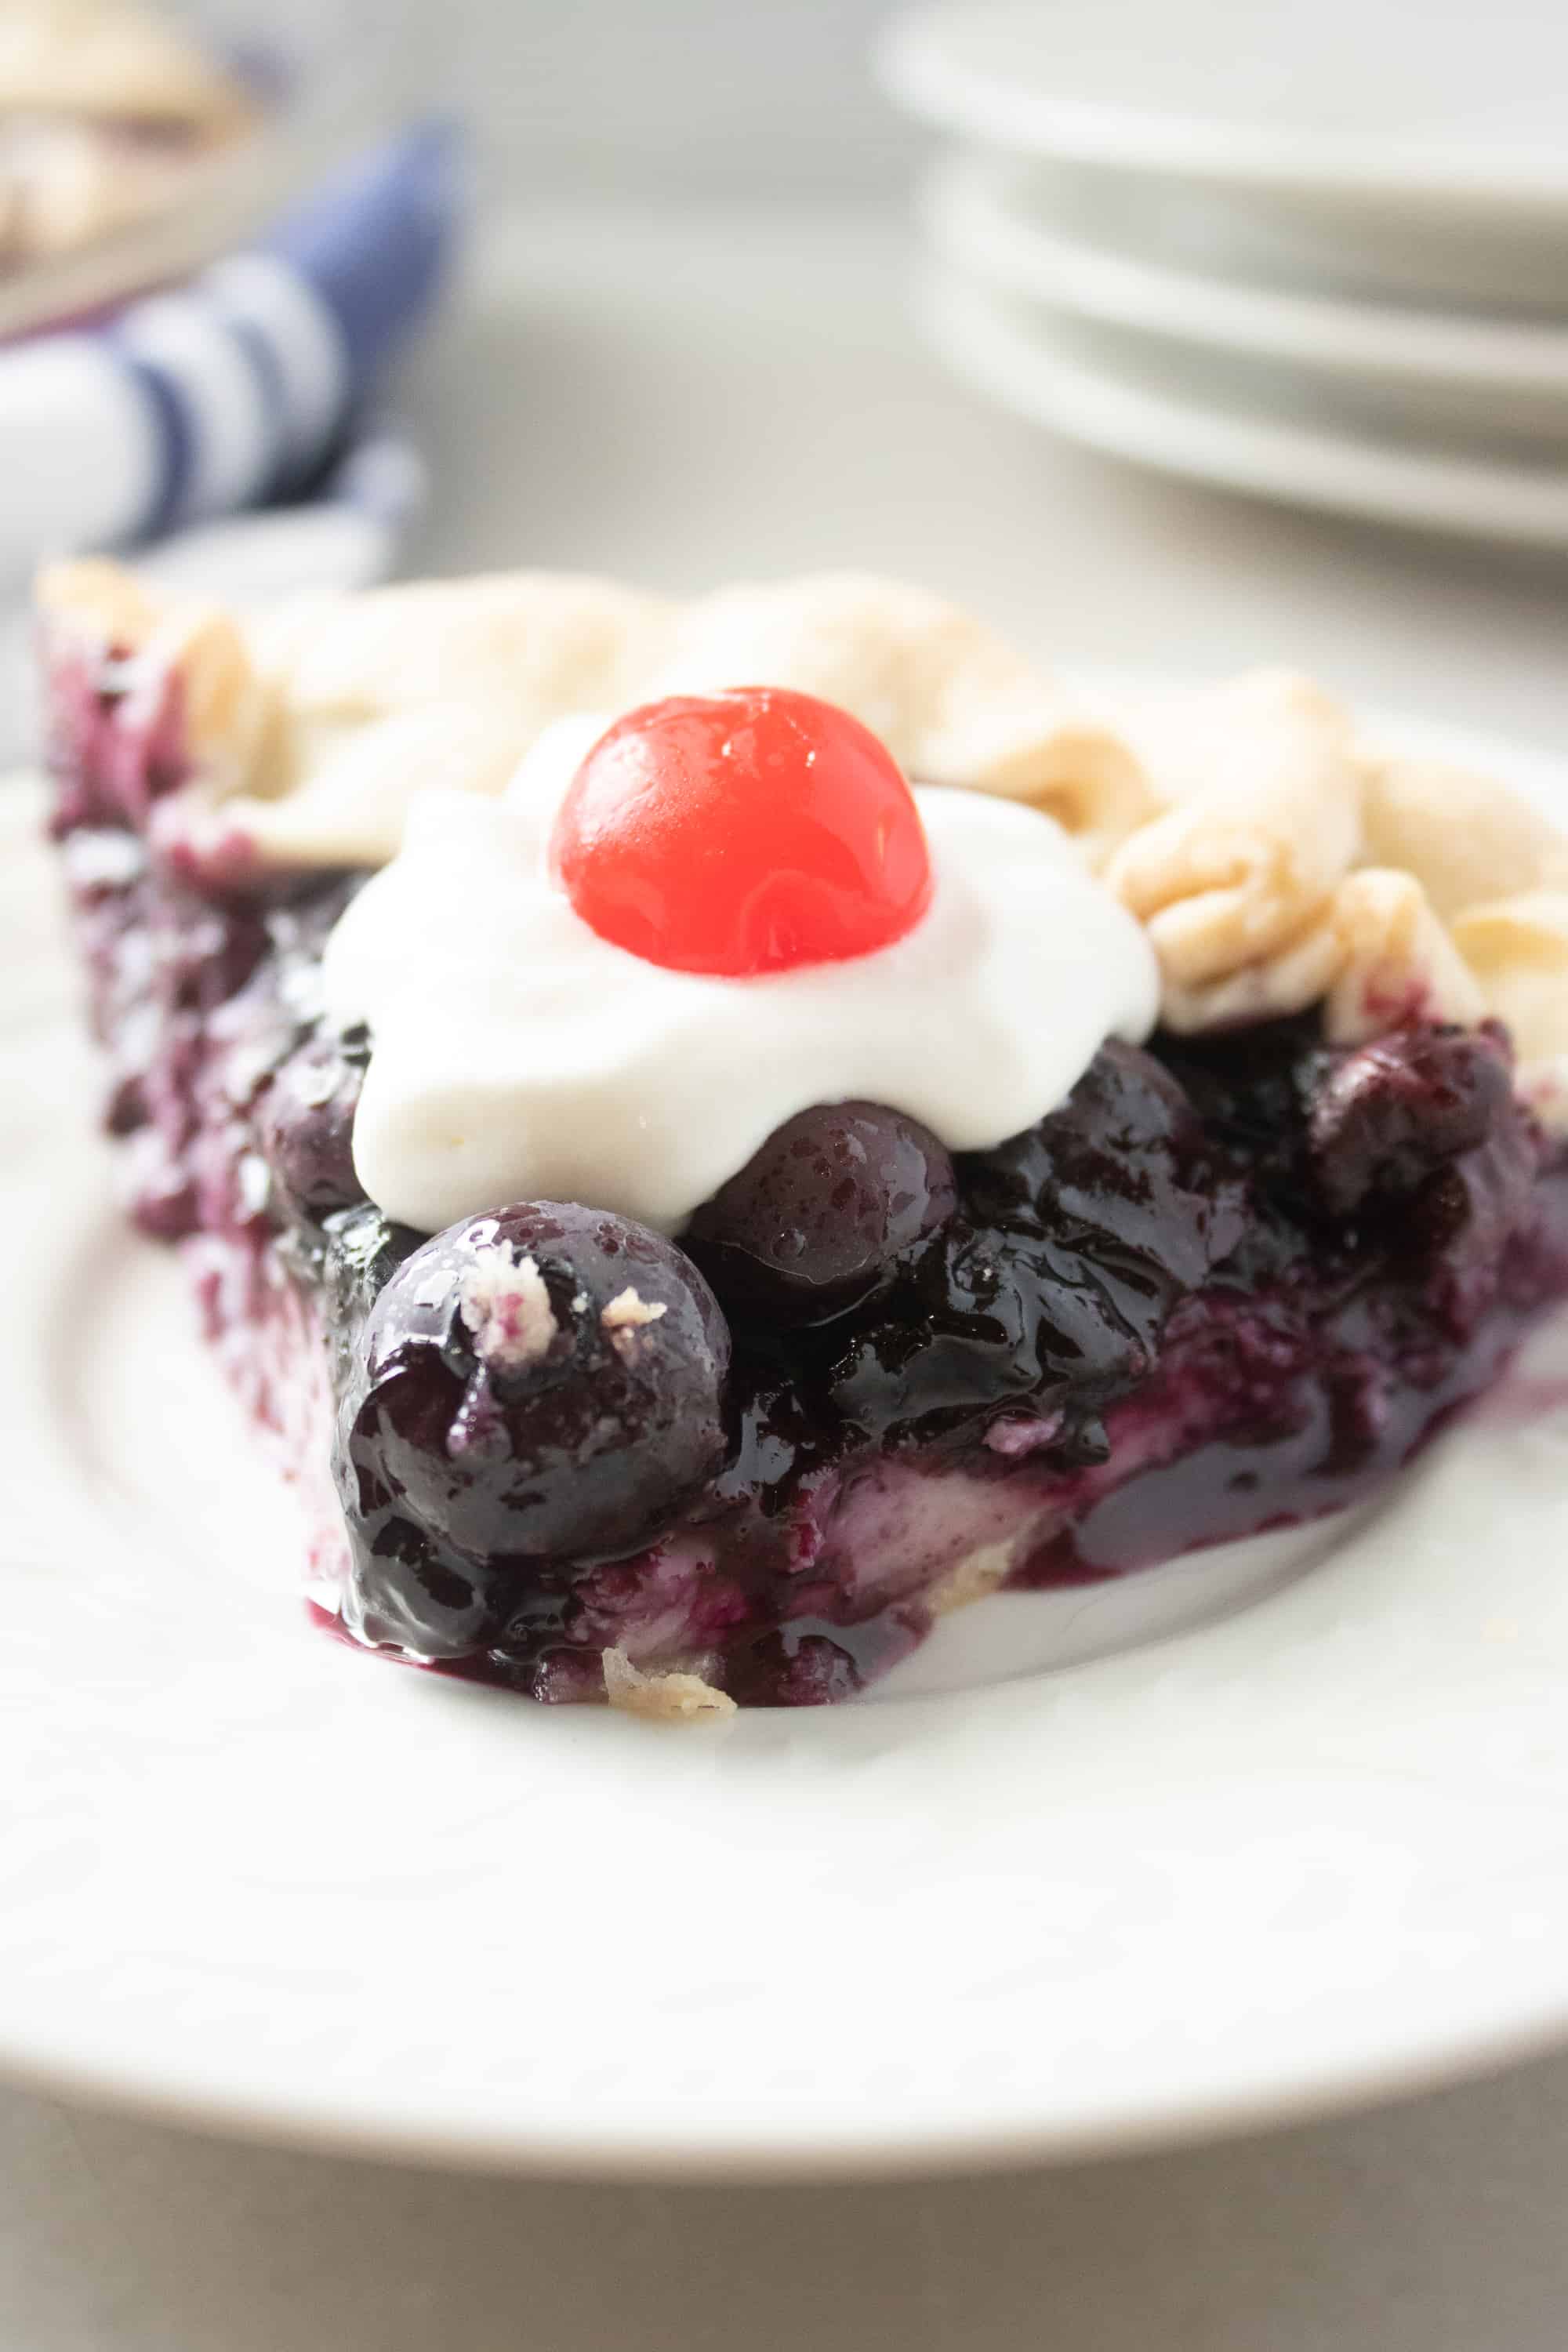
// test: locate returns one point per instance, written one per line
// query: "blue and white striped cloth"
(220, 433)
(235, 390)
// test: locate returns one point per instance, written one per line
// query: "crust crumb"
(626, 1316)
(506, 1306)
(675, 1697)
(975, 1578)
(627, 1312)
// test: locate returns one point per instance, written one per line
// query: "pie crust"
(1275, 861)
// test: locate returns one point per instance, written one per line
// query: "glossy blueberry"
(544, 1383)
(1383, 1118)
(306, 1127)
(1052, 1284)
(818, 1219)
(353, 1256)
(1120, 1167)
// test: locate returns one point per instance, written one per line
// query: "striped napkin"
(234, 390)
(219, 432)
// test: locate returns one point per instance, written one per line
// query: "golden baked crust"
(1259, 820)
(1518, 949)
(373, 696)
(1290, 865)
(1275, 861)
(93, 604)
(1464, 836)
(672, 1696)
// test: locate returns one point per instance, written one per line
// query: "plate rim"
(1007, 361)
(915, 69)
(965, 205)
(896, 2154)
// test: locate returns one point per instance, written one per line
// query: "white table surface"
(676, 399)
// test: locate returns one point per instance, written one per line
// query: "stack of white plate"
(1318, 253)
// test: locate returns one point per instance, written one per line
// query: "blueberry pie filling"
(714, 1405)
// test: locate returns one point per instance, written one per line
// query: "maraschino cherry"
(751, 831)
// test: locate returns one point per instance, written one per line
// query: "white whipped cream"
(517, 1056)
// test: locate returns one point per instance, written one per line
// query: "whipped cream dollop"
(518, 1055)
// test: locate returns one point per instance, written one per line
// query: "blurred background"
(730, 289)
(682, 98)
(683, 330)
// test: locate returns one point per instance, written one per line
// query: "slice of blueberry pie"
(712, 1133)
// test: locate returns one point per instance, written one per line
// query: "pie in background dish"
(690, 1211)
(107, 110)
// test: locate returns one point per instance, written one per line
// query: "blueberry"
(352, 1257)
(1119, 1174)
(540, 1386)
(818, 1219)
(1247, 1087)
(1385, 1117)
(1052, 1284)
(962, 1336)
(306, 1128)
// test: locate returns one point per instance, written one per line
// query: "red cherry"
(744, 832)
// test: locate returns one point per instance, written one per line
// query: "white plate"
(990, 218)
(1486, 268)
(1444, 109)
(1307, 1853)
(1245, 426)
